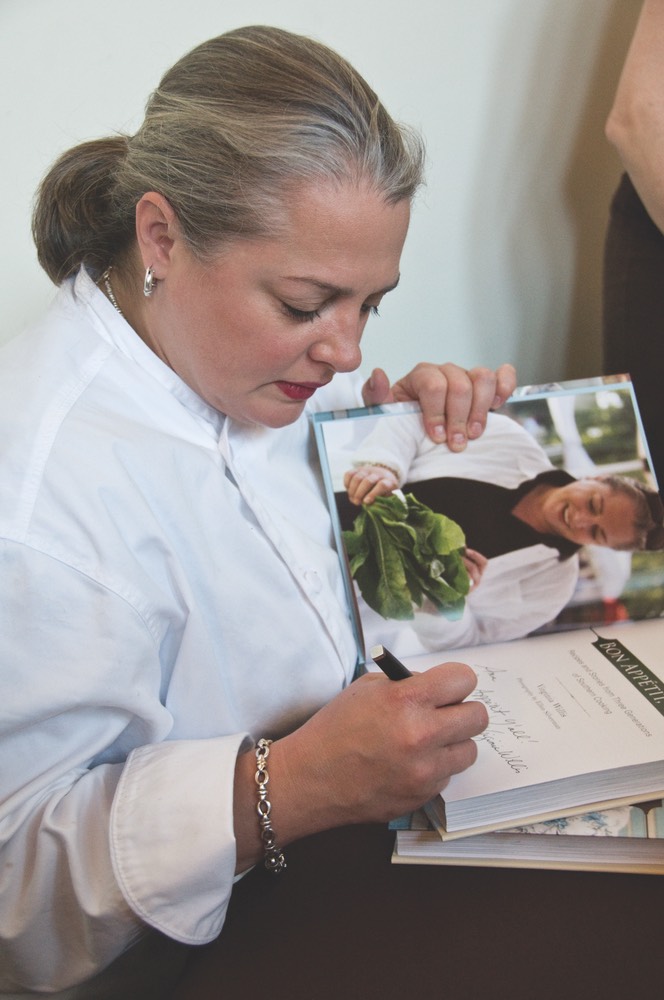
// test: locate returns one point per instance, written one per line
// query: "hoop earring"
(149, 282)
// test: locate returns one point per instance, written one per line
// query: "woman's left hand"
(454, 402)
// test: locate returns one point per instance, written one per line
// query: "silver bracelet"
(274, 856)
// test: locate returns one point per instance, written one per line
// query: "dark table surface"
(342, 922)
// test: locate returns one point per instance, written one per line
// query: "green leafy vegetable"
(402, 553)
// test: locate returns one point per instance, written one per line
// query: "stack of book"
(574, 747)
(570, 770)
(623, 839)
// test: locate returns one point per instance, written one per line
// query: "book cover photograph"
(502, 540)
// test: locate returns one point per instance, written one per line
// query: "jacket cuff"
(172, 839)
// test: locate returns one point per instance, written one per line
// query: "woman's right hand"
(379, 749)
(475, 564)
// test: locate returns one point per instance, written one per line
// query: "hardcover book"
(526, 557)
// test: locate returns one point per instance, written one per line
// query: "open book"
(576, 718)
(630, 839)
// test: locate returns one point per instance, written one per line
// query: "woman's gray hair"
(230, 129)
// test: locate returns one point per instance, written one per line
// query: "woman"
(523, 520)
(171, 591)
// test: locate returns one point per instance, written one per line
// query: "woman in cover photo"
(525, 522)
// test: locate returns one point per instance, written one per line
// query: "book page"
(563, 704)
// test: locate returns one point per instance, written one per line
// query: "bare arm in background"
(635, 125)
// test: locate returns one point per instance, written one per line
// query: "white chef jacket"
(169, 591)
(520, 590)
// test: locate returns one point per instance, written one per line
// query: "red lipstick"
(298, 390)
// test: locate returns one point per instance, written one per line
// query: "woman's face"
(270, 321)
(591, 512)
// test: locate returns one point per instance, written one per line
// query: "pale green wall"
(503, 261)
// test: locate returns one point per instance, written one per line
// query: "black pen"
(389, 664)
